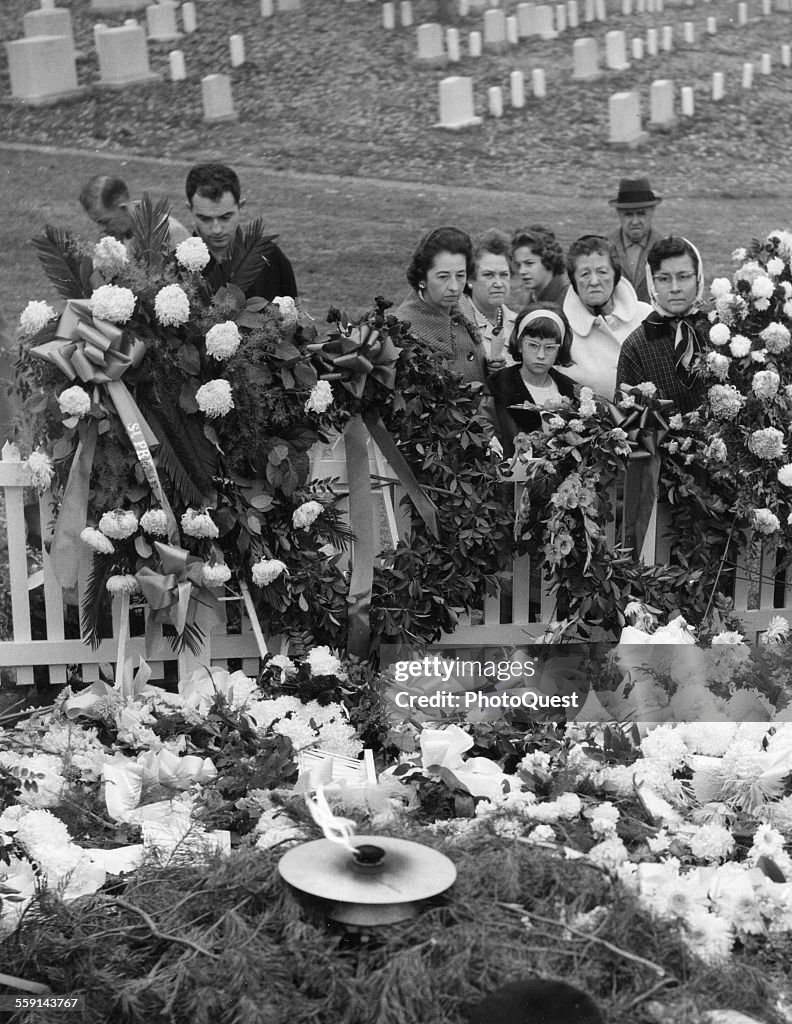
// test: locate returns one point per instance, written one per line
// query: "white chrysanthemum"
(776, 337)
(74, 402)
(786, 288)
(39, 829)
(719, 334)
(109, 256)
(762, 287)
(199, 524)
(759, 355)
(740, 346)
(666, 744)
(214, 398)
(709, 936)
(604, 818)
(340, 738)
(320, 398)
(777, 631)
(784, 241)
(109, 302)
(787, 308)
(740, 254)
(765, 384)
(767, 842)
(266, 571)
(298, 730)
(171, 306)
(764, 521)
(122, 584)
(96, 541)
(542, 834)
(609, 854)
(34, 316)
(223, 340)
(720, 287)
(715, 450)
(154, 522)
(215, 575)
(323, 662)
(118, 524)
(192, 254)
(287, 308)
(306, 515)
(775, 266)
(730, 637)
(767, 443)
(41, 469)
(718, 364)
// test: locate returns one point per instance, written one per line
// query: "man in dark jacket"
(214, 198)
(635, 205)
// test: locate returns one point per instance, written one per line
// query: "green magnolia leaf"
(253, 524)
(187, 397)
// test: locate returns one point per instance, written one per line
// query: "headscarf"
(686, 341)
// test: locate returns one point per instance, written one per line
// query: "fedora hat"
(635, 193)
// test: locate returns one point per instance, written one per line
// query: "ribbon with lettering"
(96, 352)
(174, 594)
(352, 358)
(645, 426)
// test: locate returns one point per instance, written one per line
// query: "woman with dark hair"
(539, 262)
(540, 341)
(438, 272)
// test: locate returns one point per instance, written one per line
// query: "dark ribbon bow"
(173, 593)
(355, 356)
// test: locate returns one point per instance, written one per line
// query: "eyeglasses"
(551, 348)
(684, 277)
(586, 275)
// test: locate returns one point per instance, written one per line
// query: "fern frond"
(61, 262)
(151, 230)
(95, 600)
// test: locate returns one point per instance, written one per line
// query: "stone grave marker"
(512, 30)
(118, 6)
(626, 8)
(161, 22)
(765, 64)
(218, 102)
(689, 33)
(624, 115)
(43, 70)
(712, 26)
(573, 14)
(452, 45)
(599, 10)
(389, 15)
(538, 83)
(48, 21)
(517, 89)
(236, 46)
(178, 69)
(783, 5)
(668, 38)
(767, 7)
(661, 104)
(616, 51)
(650, 6)
(686, 94)
(190, 17)
(651, 42)
(637, 48)
(526, 20)
(588, 11)
(742, 14)
(495, 100)
(463, 8)
(456, 104)
(430, 44)
(123, 55)
(267, 8)
(585, 60)
(659, 6)
(747, 75)
(640, 6)
(474, 44)
(786, 55)
(561, 18)
(406, 13)
(717, 85)
(494, 29)
(544, 22)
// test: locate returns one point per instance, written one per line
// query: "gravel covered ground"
(326, 89)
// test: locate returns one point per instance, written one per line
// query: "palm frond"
(184, 454)
(247, 254)
(193, 638)
(95, 600)
(61, 262)
(151, 230)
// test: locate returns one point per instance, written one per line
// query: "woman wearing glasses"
(664, 348)
(602, 309)
(539, 342)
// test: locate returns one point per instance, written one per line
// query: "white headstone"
(747, 76)
(637, 48)
(406, 13)
(178, 69)
(47, 5)
(50, 21)
(474, 44)
(123, 55)
(659, 6)
(786, 55)
(267, 8)
(517, 89)
(640, 6)
(650, 6)
(765, 64)
(599, 10)
(624, 114)
(452, 45)
(42, 69)
(661, 103)
(236, 45)
(463, 8)
(494, 28)
(560, 18)
(717, 85)
(161, 22)
(538, 83)
(388, 15)
(430, 43)
(616, 51)
(456, 104)
(588, 11)
(626, 8)
(742, 14)
(668, 38)
(712, 26)
(573, 14)
(287, 5)
(526, 20)
(544, 22)
(495, 100)
(218, 103)
(687, 100)
(585, 59)
(767, 7)
(651, 42)
(690, 32)
(118, 6)
(189, 17)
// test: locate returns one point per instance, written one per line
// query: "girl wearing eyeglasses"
(540, 342)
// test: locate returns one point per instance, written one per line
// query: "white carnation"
(41, 469)
(171, 306)
(223, 340)
(155, 522)
(34, 316)
(764, 521)
(214, 398)
(776, 337)
(199, 524)
(215, 575)
(192, 254)
(109, 302)
(125, 583)
(119, 524)
(719, 334)
(96, 541)
(306, 515)
(720, 288)
(323, 662)
(775, 266)
(287, 308)
(740, 346)
(320, 398)
(109, 256)
(266, 571)
(74, 402)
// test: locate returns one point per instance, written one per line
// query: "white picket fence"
(38, 602)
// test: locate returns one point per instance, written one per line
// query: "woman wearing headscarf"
(664, 348)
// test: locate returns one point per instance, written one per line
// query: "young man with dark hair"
(214, 197)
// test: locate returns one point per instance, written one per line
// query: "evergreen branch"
(57, 255)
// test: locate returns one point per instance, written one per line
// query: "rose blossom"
(765, 521)
(306, 515)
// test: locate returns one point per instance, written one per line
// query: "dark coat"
(507, 388)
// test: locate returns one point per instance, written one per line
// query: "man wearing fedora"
(635, 205)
